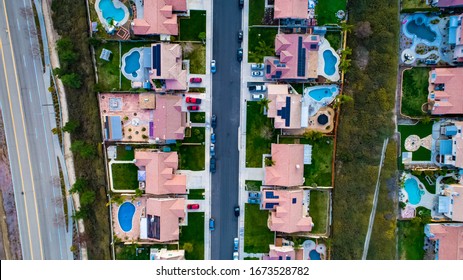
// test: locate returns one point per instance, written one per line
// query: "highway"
(226, 105)
(29, 117)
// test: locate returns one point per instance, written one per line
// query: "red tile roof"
(158, 17)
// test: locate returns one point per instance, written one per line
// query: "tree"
(70, 126)
(341, 99)
(72, 80)
(188, 247)
(269, 162)
(426, 120)
(83, 149)
(82, 213)
(202, 37)
(345, 52)
(346, 27)
(55, 130)
(87, 198)
(51, 89)
(92, 41)
(264, 102)
(345, 64)
(138, 193)
(79, 186)
(312, 135)
(363, 29)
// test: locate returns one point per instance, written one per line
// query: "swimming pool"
(132, 64)
(322, 92)
(110, 12)
(413, 191)
(314, 255)
(419, 26)
(330, 62)
(125, 216)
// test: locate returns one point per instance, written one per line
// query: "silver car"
(257, 66)
(257, 73)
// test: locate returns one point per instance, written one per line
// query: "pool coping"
(325, 46)
(139, 72)
(117, 4)
(316, 105)
(133, 216)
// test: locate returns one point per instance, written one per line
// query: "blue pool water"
(414, 193)
(422, 30)
(322, 92)
(330, 62)
(132, 63)
(125, 216)
(110, 11)
(314, 255)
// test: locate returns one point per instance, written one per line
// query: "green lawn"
(414, 91)
(197, 135)
(125, 176)
(262, 43)
(198, 117)
(319, 207)
(251, 259)
(326, 11)
(414, 4)
(123, 154)
(196, 53)
(192, 26)
(192, 157)
(138, 251)
(422, 177)
(257, 235)
(259, 135)
(253, 185)
(194, 234)
(420, 129)
(411, 240)
(299, 87)
(256, 12)
(108, 71)
(196, 194)
(335, 39)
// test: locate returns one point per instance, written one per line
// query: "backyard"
(197, 135)
(124, 154)
(196, 53)
(263, 43)
(420, 129)
(253, 185)
(414, 4)
(411, 240)
(326, 11)
(109, 72)
(257, 235)
(256, 12)
(193, 233)
(139, 251)
(191, 157)
(319, 172)
(319, 207)
(259, 135)
(197, 117)
(334, 38)
(414, 91)
(191, 27)
(124, 176)
(196, 194)
(125, 47)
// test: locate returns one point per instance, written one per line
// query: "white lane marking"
(36, 134)
(30, 96)
(49, 235)
(24, 61)
(17, 21)
(41, 170)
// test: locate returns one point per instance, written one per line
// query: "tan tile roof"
(288, 170)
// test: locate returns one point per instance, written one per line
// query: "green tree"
(263, 103)
(82, 213)
(87, 198)
(70, 126)
(71, 80)
(269, 162)
(138, 193)
(426, 120)
(79, 186)
(83, 149)
(202, 37)
(312, 135)
(55, 130)
(188, 247)
(346, 27)
(341, 99)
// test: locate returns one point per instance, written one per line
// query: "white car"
(257, 96)
(257, 73)
(257, 66)
(235, 256)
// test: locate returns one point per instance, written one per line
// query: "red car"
(196, 80)
(193, 108)
(192, 206)
(193, 100)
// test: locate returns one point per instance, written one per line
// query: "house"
(445, 3)
(159, 17)
(166, 65)
(456, 37)
(162, 218)
(288, 166)
(280, 253)
(287, 212)
(142, 117)
(445, 91)
(284, 108)
(295, 9)
(447, 240)
(157, 172)
(448, 147)
(298, 57)
(450, 202)
(164, 254)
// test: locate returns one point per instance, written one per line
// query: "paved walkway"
(254, 174)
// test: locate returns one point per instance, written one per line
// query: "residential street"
(226, 105)
(29, 117)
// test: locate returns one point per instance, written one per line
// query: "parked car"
(254, 194)
(258, 88)
(213, 67)
(257, 73)
(193, 108)
(236, 256)
(192, 206)
(196, 80)
(237, 211)
(213, 138)
(253, 201)
(240, 36)
(258, 96)
(214, 121)
(212, 165)
(239, 54)
(235, 243)
(257, 66)
(193, 100)
(211, 224)
(212, 150)
(241, 3)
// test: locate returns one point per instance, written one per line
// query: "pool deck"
(325, 45)
(117, 4)
(134, 233)
(427, 199)
(140, 72)
(309, 103)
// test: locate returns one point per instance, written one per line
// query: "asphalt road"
(226, 105)
(29, 118)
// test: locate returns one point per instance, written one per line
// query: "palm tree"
(426, 120)
(313, 135)
(346, 27)
(269, 162)
(345, 52)
(264, 104)
(345, 64)
(341, 99)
